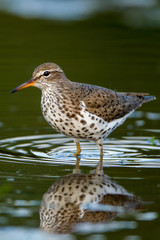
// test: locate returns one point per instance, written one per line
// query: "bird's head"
(44, 75)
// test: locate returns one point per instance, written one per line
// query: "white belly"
(83, 125)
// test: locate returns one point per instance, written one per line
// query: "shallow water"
(57, 149)
(99, 50)
(143, 151)
(30, 164)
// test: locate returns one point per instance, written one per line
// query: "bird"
(84, 198)
(79, 110)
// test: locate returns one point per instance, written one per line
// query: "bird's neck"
(60, 87)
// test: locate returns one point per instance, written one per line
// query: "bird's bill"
(24, 85)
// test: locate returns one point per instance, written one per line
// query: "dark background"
(114, 44)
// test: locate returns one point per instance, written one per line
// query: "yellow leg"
(99, 168)
(78, 147)
(76, 170)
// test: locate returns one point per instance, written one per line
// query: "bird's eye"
(46, 73)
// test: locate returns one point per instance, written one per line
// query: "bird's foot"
(77, 153)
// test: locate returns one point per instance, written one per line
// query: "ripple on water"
(58, 149)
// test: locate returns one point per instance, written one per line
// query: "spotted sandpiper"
(84, 198)
(81, 110)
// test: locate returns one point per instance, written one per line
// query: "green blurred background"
(114, 44)
(104, 48)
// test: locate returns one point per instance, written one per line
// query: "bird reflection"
(79, 198)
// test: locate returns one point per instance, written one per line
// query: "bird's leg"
(77, 170)
(99, 168)
(78, 147)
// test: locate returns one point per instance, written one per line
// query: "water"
(58, 149)
(111, 49)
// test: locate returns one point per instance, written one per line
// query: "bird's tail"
(148, 98)
(143, 96)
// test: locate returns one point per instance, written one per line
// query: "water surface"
(103, 49)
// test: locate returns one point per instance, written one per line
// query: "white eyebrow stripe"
(40, 73)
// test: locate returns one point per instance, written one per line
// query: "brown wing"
(111, 105)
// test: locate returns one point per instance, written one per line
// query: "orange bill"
(24, 85)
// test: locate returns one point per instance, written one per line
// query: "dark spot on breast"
(78, 134)
(104, 132)
(92, 125)
(91, 193)
(67, 205)
(86, 130)
(82, 189)
(81, 197)
(83, 122)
